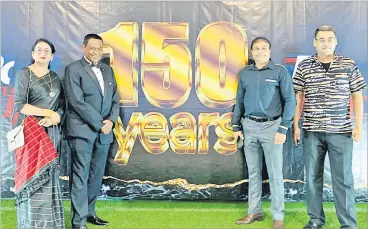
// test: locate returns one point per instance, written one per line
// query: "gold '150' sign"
(166, 80)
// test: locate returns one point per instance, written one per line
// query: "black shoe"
(80, 227)
(311, 225)
(97, 221)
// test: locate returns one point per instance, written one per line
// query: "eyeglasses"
(323, 41)
(45, 51)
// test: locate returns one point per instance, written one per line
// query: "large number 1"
(121, 43)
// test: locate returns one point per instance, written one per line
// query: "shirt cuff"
(282, 130)
(299, 89)
(236, 128)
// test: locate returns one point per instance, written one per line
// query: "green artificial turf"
(189, 214)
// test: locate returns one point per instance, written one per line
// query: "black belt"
(262, 119)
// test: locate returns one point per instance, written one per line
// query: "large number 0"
(166, 72)
(121, 43)
(221, 52)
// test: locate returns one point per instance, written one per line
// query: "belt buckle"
(256, 119)
(253, 118)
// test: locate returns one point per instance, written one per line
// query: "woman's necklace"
(52, 93)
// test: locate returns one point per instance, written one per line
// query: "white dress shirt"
(98, 74)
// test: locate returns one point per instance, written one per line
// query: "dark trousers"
(87, 170)
(339, 148)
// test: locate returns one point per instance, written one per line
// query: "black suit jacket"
(87, 107)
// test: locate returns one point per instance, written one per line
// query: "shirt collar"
(270, 65)
(337, 58)
(90, 63)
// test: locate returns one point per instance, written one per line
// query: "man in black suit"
(93, 108)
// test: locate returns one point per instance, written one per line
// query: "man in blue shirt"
(266, 101)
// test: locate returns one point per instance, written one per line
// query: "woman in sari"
(39, 99)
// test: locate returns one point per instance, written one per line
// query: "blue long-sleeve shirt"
(266, 92)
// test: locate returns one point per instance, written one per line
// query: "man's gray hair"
(324, 28)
